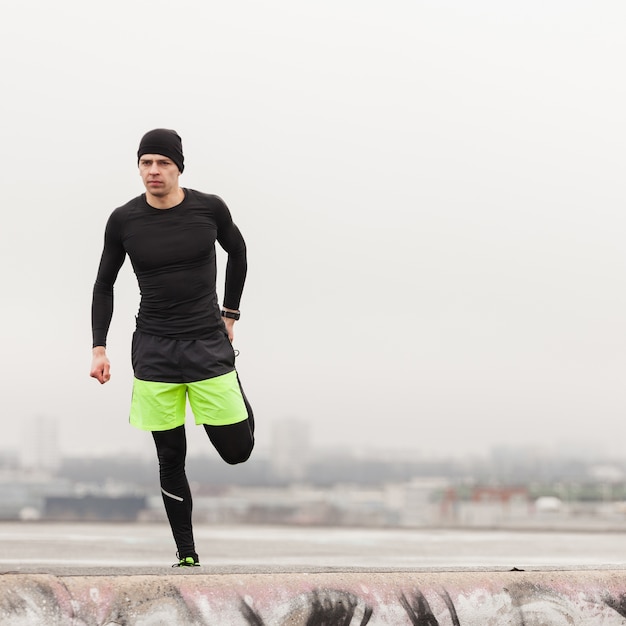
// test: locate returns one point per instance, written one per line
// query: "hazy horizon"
(431, 194)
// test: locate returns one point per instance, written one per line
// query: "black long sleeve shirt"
(172, 252)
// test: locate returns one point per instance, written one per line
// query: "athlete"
(182, 345)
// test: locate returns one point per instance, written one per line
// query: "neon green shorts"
(215, 401)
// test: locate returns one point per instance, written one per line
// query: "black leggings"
(234, 444)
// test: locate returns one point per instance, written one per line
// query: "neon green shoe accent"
(188, 561)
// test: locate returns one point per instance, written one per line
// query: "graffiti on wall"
(519, 608)
(52, 601)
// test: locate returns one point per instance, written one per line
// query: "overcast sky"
(432, 194)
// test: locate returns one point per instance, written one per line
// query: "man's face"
(159, 174)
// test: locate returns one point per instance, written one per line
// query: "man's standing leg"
(171, 446)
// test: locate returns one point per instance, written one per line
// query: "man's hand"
(100, 366)
(230, 326)
(229, 322)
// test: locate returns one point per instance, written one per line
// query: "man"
(181, 348)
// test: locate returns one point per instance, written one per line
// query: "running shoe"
(187, 561)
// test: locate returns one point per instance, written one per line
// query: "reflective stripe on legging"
(171, 495)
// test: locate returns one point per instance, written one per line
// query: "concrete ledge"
(458, 598)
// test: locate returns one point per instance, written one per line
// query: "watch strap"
(231, 314)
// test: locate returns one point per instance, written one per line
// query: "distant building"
(40, 446)
(290, 448)
(419, 507)
(9, 459)
(92, 507)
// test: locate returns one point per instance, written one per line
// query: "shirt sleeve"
(232, 241)
(112, 259)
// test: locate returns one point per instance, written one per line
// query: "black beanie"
(163, 141)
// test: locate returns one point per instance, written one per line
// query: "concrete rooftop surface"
(112, 574)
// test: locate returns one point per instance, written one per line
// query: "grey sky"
(431, 192)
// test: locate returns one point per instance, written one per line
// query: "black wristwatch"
(231, 315)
